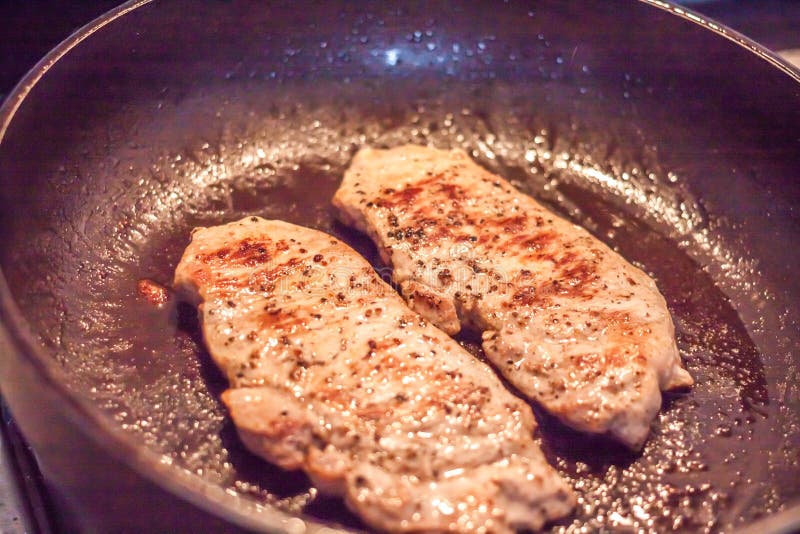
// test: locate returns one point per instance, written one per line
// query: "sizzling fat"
(564, 318)
(330, 372)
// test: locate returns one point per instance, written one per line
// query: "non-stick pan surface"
(679, 148)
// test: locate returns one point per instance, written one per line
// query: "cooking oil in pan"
(716, 452)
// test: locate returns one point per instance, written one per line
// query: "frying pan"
(674, 140)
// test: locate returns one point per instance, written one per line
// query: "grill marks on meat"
(331, 373)
(565, 319)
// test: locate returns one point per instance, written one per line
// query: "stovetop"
(22, 494)
(28, 30)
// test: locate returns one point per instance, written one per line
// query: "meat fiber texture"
(569, 322)
(331, 372)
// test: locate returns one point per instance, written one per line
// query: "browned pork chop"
(567, 320)
(330, 372)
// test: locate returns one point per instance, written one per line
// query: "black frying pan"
(677, 146)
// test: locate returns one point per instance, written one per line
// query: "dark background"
(30, 28)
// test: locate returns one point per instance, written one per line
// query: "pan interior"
(716, 456)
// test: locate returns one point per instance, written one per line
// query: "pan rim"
(728, 33)
(118, 443)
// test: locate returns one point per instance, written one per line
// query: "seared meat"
(565, 319)
(330, 372)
